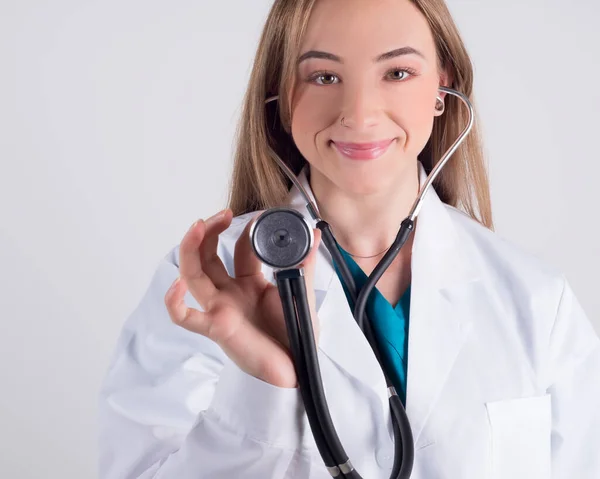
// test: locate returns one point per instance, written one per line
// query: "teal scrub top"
(389, 325)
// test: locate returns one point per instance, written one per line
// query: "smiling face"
(367, 74)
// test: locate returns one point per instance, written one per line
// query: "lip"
(363, 151)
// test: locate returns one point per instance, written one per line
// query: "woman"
(497, 364)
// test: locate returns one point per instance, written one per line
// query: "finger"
(188, 318)
(242, 345)
(246, 263)
(190, 265)
(211, 263)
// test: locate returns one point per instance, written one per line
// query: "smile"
(363, 151)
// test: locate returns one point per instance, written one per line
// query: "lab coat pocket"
(520, 437)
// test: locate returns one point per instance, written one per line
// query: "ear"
(445, 80)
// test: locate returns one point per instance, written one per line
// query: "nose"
(361, 107)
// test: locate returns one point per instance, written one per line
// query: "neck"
(365, 225)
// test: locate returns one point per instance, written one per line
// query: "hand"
(243, 315)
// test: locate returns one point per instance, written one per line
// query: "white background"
(116, 125)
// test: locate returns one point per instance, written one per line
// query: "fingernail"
(194, 225)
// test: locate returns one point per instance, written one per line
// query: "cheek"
(413, 111)
(310, 117)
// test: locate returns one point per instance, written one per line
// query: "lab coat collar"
(438, 323)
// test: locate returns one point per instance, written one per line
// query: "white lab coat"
(503, 375)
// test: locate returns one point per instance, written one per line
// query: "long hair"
(257, 181)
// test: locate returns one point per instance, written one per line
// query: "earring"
(440, 106)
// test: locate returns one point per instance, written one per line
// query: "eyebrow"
(384, 56)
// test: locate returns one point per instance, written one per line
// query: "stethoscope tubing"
(302, 370)
(292, 289)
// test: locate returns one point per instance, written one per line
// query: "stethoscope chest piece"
(281, 238)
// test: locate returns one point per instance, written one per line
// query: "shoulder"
(494, 248)
(506, 265)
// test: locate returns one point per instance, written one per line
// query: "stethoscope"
(282, 238)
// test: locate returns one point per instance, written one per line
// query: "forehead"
(353, 28)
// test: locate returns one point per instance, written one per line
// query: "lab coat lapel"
(439, 322)
(440, 318)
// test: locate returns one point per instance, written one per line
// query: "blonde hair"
(258, 183)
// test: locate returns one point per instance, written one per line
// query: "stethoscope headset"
(282, 238)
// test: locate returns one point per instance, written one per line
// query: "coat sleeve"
(172, 405)
(575, 392)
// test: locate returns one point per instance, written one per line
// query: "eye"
(399, 74)
(328, 78)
